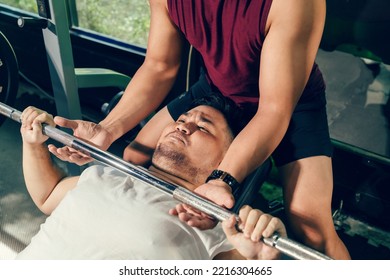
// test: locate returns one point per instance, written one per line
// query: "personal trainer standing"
(261, 54)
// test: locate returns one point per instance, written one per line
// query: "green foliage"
(127, 20)
(124, 19)
(28, 5)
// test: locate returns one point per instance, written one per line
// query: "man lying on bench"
(105, 214)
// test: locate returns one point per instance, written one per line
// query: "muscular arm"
(288, 54)
(154, 79)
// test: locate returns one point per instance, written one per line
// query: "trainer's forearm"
(146, 91)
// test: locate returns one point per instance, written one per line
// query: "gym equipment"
(359, 28)
(9, 73)
(66, 80)
(284, 245)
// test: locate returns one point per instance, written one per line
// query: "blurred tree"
(127, 20)
(28, 5)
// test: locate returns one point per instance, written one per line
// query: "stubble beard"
(176, 163)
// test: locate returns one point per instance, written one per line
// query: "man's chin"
(169, 154)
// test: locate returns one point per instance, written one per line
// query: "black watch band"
(226, 177)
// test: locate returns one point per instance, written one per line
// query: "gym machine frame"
(66, 80)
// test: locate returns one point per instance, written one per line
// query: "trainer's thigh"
(140, 150)
(308, 186)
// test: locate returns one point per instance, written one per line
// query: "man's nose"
(186, 128)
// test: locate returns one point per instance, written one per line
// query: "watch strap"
(226, 177)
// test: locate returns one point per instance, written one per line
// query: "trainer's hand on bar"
(216, 191)
(84, 130)
(254, 225)
(31, 128)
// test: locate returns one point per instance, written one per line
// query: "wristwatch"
(226, 177)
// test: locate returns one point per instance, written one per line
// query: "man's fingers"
(262, 224)
(229, 226)
(275, 225)
(36, 132)
(243, 214)
(190, 209)
(28, 116)
(192, 217)
(177, 210)
(251, 223)
(201, 223)
(45, 118)
(173, 212)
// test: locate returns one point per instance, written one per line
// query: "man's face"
(194, 145)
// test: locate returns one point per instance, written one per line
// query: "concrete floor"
(19, 218)
(356, 98)
(358, 101)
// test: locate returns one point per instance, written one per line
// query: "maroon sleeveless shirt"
(229, 35)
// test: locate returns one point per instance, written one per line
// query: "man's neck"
(171, 178)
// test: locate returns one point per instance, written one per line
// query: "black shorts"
(306, 136)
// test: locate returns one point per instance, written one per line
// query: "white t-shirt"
(112, 216)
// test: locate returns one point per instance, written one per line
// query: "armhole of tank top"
(169, 7)
(266, 7)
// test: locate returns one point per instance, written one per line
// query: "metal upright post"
(60, 60)
(60, 57)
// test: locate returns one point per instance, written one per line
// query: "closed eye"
(201, 128)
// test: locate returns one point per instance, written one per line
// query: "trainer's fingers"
(63, 122)
(80, 159)
(58, 152)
